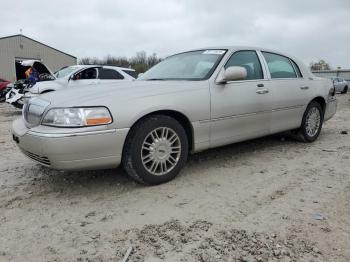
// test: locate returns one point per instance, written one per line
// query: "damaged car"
(189, 102)
(72, 76)
(15, 95)
(4, 88)
(82, 75)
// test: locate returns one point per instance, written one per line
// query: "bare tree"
(140, 62)
(320, 65)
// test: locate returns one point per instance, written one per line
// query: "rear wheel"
(312, 123)
(345, 90)
(156, 149)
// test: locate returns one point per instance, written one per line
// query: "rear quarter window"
(131, 73)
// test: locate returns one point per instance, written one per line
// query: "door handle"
(260, 85)
(262, 91)
(304, 87)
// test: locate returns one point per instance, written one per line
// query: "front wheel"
(312, 123)
(155, 150)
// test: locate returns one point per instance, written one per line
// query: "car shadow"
(117, 181)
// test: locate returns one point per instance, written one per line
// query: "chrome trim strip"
(59, 135)
(249, 114)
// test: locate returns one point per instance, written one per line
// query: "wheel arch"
(321, 101)
(180, 117)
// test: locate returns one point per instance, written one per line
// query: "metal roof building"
(16, 48)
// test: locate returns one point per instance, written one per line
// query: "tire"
(306, 133)
(345, 90)
(142, 152)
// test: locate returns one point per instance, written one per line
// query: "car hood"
(122, 92)
(40, 67)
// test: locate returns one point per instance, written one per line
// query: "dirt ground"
(270, 199)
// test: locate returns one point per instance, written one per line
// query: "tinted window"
(250, 61)
(131, 73)
(105, 73)
(89, 73)
(279, 66)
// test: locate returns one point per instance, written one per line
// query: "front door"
(241, 110)
(87, 76)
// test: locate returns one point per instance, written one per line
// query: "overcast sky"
(308, 29)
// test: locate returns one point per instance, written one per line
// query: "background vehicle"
(3, 83)
(189, 102)
(72, 76)
(3, 88)
(340, 84)
(82, 75)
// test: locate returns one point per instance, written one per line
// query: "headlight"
(77, 117)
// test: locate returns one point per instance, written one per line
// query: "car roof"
(107, 66)
(242, 47)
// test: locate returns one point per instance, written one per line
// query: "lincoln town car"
(189, 102)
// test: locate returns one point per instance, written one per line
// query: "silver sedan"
(189, 102)
(340, 85)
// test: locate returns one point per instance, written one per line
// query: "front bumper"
(83, 150)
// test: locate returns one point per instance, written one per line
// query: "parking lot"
(271, 198)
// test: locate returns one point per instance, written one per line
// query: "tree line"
(141, 62)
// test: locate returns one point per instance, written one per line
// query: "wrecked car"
(82, 75)
(15, 95)
(73, 76)
(187, 103)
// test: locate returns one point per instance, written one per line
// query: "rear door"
(241, 109)
(291, 92)
(109, 75)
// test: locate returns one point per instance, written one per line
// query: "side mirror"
(232, 73)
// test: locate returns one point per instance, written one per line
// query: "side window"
(279, 66)
(250, 61)
(106, 73)
(131, 73)
(89, 73)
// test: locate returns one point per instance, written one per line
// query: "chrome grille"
(41, 159)
(33, 111)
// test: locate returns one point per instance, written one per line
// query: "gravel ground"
(270, 199)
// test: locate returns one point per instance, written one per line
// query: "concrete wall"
(21, 47)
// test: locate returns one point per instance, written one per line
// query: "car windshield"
(64, 72)
(195, 65)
